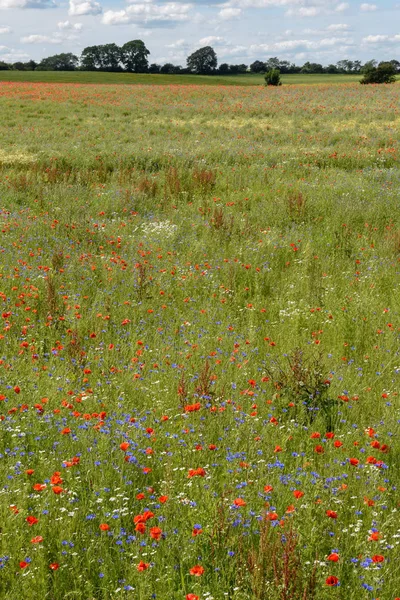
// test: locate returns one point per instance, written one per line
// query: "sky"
(240, 31)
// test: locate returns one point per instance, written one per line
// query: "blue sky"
(239, 30)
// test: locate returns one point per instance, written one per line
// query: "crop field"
(160, 79)
(199, 349)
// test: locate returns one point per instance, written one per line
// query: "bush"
(383, 73)
(273, 77)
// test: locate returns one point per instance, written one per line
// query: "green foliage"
(273, 77)
(203, 61)
(385, 72)
(65, 61)
(134, 56)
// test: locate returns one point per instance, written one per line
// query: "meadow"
(199, 363)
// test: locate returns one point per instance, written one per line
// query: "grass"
(199, 365)
(146, 79)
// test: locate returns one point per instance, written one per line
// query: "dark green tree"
(223, 69)
(273, 77)
(4, 66)
(134, 56)
(203, 61)
(383, 73)
(91, 58)
(257, 66)
(110, 56)
(154, 68)
(59, 62)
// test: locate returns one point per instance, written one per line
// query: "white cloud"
(229, 13)
(5, 30)
(68, 26)
(338, 27)
(6, 4)
(78, 8)
(342, 7)
(40, 39)
(365, 7)
(212, 40)
(154, 14)
(379, 39)
(177, 44)
(304, 11)
(12, 55)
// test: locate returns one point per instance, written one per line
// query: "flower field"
(200, 342)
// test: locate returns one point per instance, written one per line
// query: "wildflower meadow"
(199, 347)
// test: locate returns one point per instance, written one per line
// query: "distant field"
(146, 79)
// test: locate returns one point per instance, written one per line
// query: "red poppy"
(332, 514)
(140, 528)
(54, 566)
(332, 581)
(354, 461)
(57, 489)
(192, 597)
(17, 389)
(199, 472)
(142, 566)
(65, 431)
(124, 446)
(55, 478)
(30, 471)
(319, 449)
(197, 570)
(104, 527)
(329, 435)
(277, 449)
(37, 540)
(268, 488)
(334, 557)
(155, 533)
(23, 564)
(337, 443)
(163, 499)
(31, 520)
(298, 494)
(39, 487)
(239, 502)
(378, 558)
(271, 516)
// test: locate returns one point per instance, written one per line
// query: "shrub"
(383, 73)
(273, 77)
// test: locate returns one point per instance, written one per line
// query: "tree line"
(132, 57)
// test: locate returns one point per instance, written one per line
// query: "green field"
(200, 360)
(146, 79)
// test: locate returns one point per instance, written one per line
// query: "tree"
(90, 58)
(110, 57)
(154, 68)
(134, 56)
(312, 68)
(273, 77)
(370, 64)
(203, 61)
(4, 66)
(19, 66)
(396, 65)
(257, 66)
(383, 73)
(59, 62)
(223, 69)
